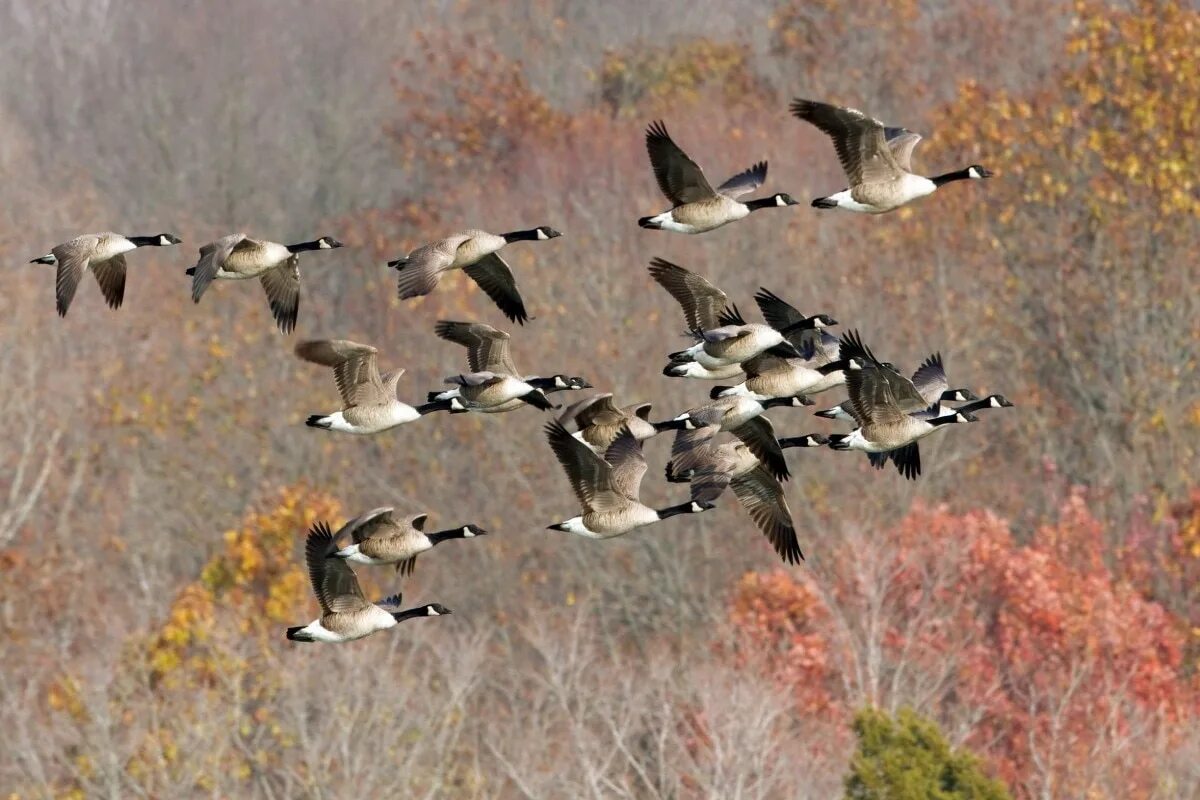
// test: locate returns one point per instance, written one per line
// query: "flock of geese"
(781, 361)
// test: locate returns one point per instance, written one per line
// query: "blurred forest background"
(1034, 598)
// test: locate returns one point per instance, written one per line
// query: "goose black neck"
(762, 202)
(834, 366)
(949, 177)
(441, 536)
(945, 420)
(674, 511)
(303, 246)
(409, 613)
(530, 235)
(776, 402)
(145, 241)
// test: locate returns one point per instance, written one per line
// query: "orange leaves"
(1053, 655)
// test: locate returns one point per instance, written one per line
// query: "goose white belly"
(363, 624)
(606, 524)
(111, 246)
(372, 419)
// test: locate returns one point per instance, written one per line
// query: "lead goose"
(725, 339)
(599, 421)
(696, 206)
(608, 487)
(380, 537)
(345, 613)
(475, 252)
(885, 426)
(758, 491)
(277, 266)
(104, 255)
(877, 160)
(487, 393)
(487, 351)
(739, 415)
(369, 402)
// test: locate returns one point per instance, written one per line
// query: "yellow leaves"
(64, 695)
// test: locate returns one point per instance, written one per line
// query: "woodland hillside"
(1035, 596)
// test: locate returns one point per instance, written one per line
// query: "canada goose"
(770, 376)
(927, 386)
(487, 393)
(369, 403)
(475, 253)
(876, 159)
(599, 422)
(736, 341)
(608, 486)
(757, 490)
(379, 537)
(345, 613)
(884, 424)
(695, 206)
(724, 339)
(277, 266)
(103, 253)
(741, 416)
(487, 350)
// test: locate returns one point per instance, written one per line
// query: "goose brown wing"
(487, 347)
(930, 378)
(901, 142)
(421, 270)
(762, 496)
(282, 285)
(679, 178)
(628, 465)
(111, 277)
(496, 279)
(744, 182)
(371, 525)
(73, 258)
(212, 257)
(701, 301)
(590, 475)
(333, 582)
(759, 435)
(595, 410)
(858, 139)
(355, 369)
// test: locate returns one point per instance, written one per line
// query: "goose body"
(381, 537)
(346, 614)
(599, 421)
(475, 252)
(369, 402)
(696, 206)
(739, 415)
(277, 266)
(876, 160)
(488, 351)
(104, 255)
(486, 393)
(608, 486)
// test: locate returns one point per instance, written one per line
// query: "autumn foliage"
(1034, 598)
